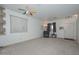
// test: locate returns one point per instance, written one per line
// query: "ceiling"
(47, 10)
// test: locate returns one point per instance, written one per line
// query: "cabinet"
(45, 34)
(68, 28)
(69, 31)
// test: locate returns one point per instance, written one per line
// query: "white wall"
(67, 23)
(77, 29)
(34, 29)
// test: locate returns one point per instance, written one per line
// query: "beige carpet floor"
(42, 46)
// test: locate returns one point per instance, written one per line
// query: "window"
(18, 24)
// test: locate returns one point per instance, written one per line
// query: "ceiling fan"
(29, 11)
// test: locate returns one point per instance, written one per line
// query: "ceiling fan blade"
(24, 12)
(22, 9)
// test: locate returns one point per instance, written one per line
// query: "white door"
(69, 30)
